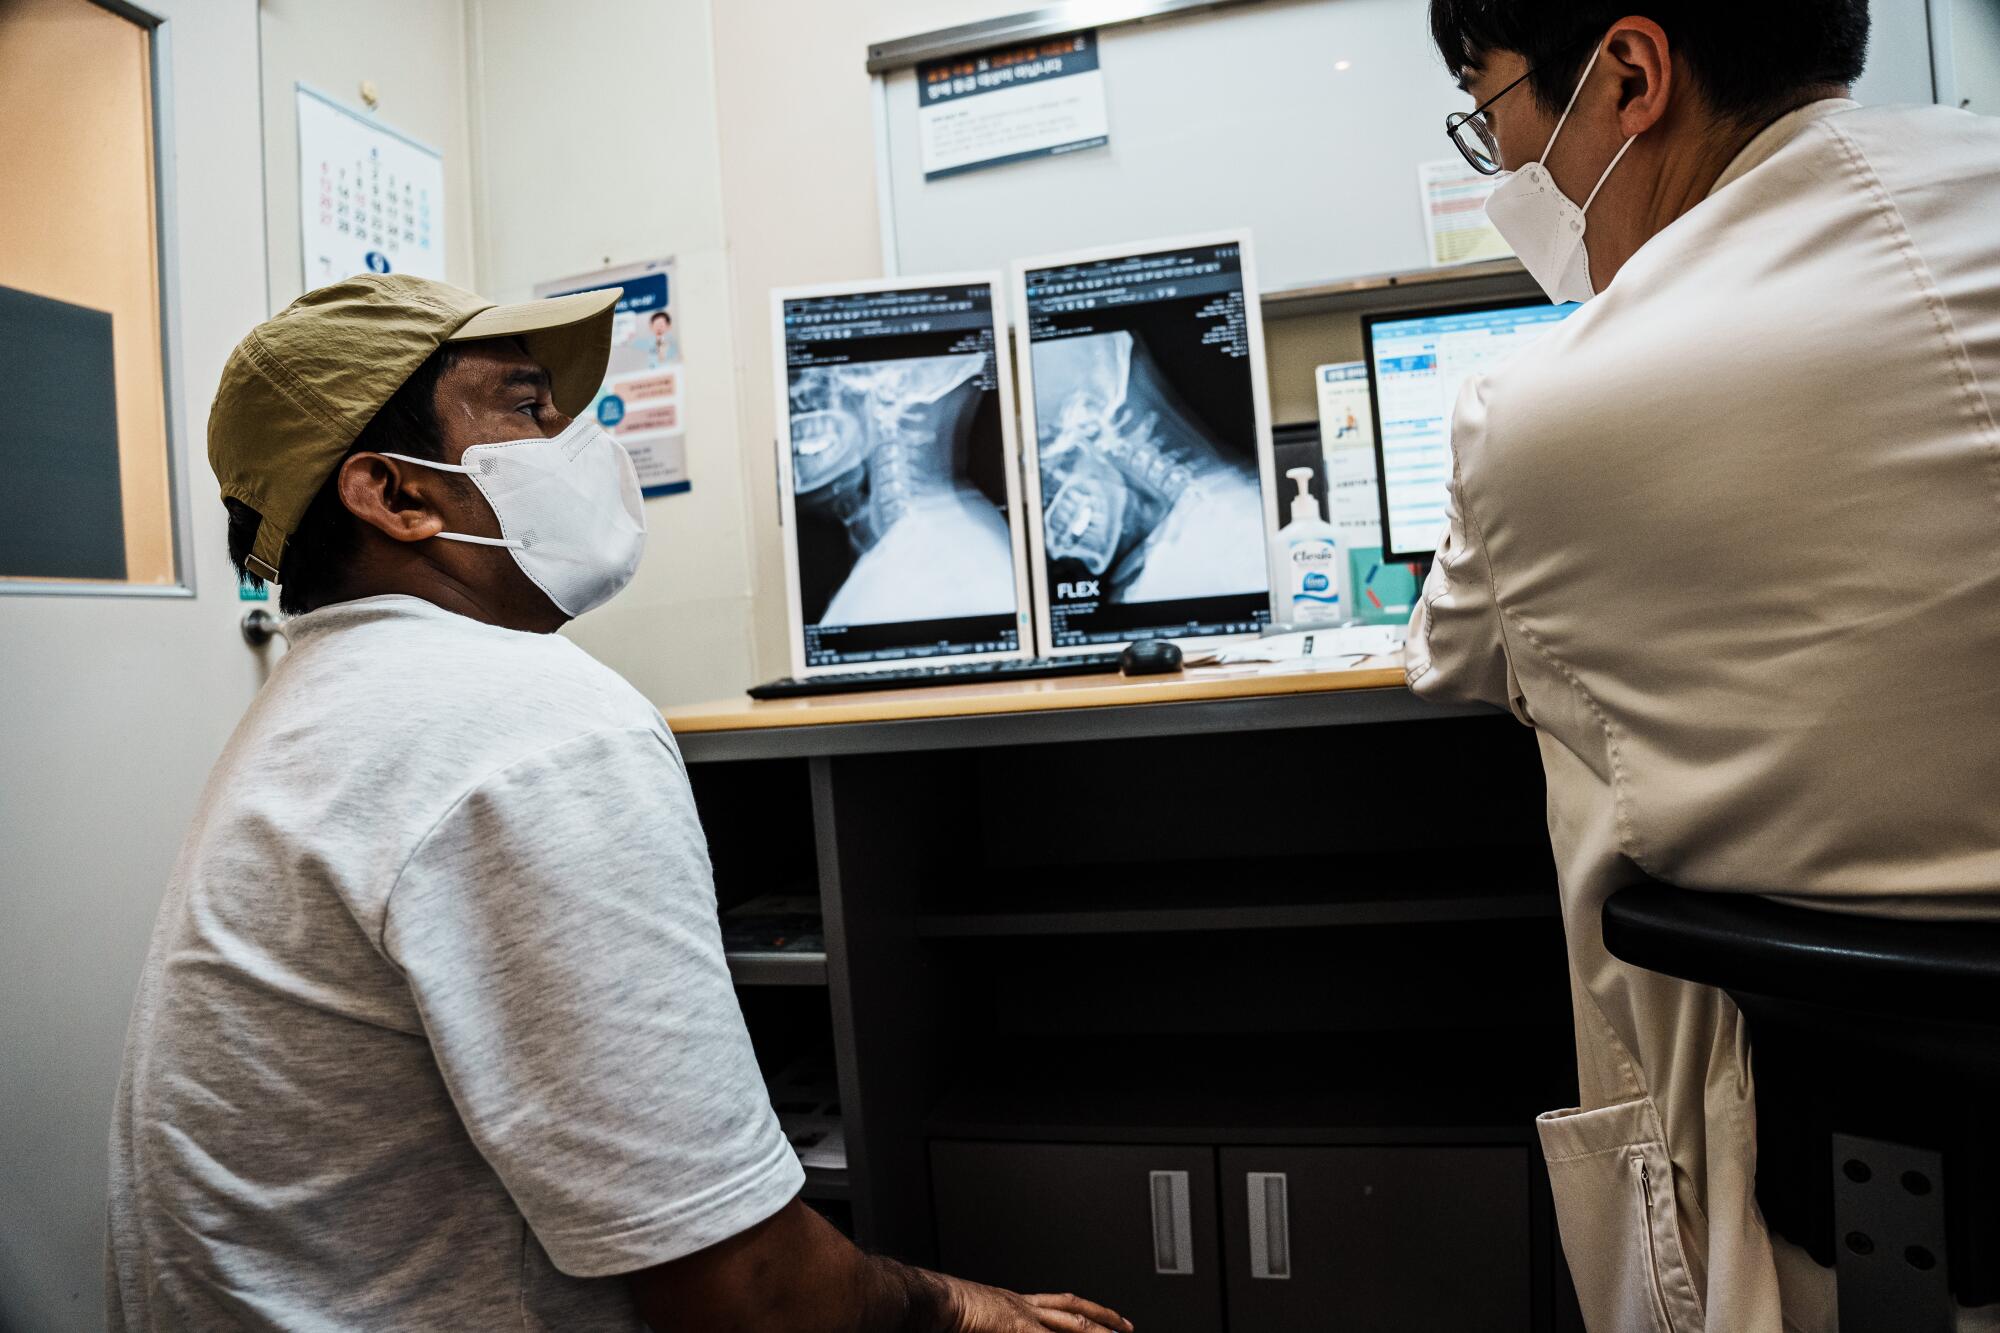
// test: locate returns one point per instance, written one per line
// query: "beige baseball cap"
(297, 391)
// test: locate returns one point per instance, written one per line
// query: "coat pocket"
(1614, 1192)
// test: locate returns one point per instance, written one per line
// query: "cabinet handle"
(1270, 1225)
(1173, 1235)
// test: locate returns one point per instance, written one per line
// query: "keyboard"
(963, 673)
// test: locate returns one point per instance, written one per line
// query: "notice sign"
(1455, 227)
(1009, 104)
(370, 200)
(640, 402)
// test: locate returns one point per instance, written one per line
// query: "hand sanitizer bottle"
(1308, 568)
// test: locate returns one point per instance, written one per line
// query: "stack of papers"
(1346, 643)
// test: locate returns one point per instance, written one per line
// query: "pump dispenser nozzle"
(1303, 504)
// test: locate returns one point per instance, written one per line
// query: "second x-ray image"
(901, 511)
(1137, 494)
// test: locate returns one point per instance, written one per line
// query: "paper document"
(1455, 227)
(1346, 642)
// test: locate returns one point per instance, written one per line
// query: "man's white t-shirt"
(435, 1030)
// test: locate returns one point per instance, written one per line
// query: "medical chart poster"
(641, 401)
(1455, 227)
(371, 200)
(1384, 594)
(1010, 104)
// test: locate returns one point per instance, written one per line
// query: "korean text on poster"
(1455, 227)
(641, 400)
(370, 200)
(1384, 593)
(1009, 104)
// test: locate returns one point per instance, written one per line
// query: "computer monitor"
(1416, 362)
(898, 475)
(1148, 443)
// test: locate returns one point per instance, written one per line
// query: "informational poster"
(640, 403)
(1383, 593)
(371, 200)
(1455, 227)
(1009, 104)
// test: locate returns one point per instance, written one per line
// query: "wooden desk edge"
(1024, 696)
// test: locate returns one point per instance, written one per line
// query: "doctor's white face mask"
(1544, 225)
(569, 510)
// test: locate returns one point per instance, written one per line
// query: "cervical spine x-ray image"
(882, 449)
(1133, 489)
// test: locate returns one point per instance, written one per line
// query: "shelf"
(826, 1183)
(1461, 1086)
(1498, 277)
(777, 969)
(1286, 894)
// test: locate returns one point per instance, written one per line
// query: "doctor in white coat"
(1729, 540)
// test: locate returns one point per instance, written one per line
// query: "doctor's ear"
(399, 500)
(1642, 59)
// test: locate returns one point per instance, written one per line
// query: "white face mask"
(569, 509)
(1543, 224)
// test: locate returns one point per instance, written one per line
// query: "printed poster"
(1009, 104)
(1455, 227)
(641, 401)
(371, 200)
(1384, 594)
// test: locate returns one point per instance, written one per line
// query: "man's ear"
(1643, 61)
(397, 499)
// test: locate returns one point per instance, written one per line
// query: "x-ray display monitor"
(1417, 362)
(898, 472)
(1148, 430)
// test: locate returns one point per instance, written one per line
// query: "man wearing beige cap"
(435, 1030)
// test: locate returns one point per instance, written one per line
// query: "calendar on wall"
(371, 200)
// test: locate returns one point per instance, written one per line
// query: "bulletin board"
(1304, 120)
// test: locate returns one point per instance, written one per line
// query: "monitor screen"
(903, 511)
(1416, 363)
(1147, 426)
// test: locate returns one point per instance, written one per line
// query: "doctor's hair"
(1753, 60)
(314, 564)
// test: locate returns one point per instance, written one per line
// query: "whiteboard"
(1243, 118)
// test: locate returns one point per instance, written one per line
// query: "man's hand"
(793, 1273)
(978, 1309)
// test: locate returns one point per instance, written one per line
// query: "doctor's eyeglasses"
(1474, 137)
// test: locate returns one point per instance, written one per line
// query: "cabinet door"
(1377, 1240)
(1133, 1228)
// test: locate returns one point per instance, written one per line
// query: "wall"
(577, 173)
(798, 196)
(1975, 37)
(414, 53)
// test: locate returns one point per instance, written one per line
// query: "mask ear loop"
(1569, 106)
(1563, 119)
(466, 537)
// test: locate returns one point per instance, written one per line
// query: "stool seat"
(1875, 1043)
(1935, 970)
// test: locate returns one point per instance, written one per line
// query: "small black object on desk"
(1150, 657)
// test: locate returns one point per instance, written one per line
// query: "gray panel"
(1083, 1218)
(61, 504)
(1386, 1240)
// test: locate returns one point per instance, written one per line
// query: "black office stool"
(1876, 1050)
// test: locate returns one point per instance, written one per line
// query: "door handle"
(1270, 1225)
(1173, 1235)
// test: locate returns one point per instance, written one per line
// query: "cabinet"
(1134, 1227)
(1280, 1239)
(1387, 1240)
